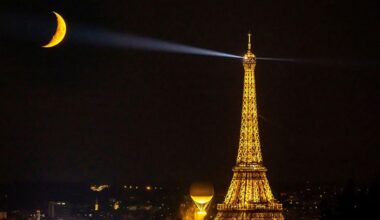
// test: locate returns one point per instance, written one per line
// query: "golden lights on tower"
(249, 195)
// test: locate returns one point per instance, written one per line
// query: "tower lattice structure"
(249, 196)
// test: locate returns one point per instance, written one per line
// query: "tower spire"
(249, 40)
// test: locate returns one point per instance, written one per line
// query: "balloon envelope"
(201, 193)
(201, 199)
(201, 189)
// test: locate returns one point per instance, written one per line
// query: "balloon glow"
(59, 33)
(201, 194)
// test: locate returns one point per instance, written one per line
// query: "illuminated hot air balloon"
(201, 193)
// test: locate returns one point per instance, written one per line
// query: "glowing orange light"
(99, 188)
(96, 206)
(116, 205)
(201, 194)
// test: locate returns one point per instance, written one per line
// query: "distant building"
(59, 211)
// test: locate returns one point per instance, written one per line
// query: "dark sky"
(84, 113)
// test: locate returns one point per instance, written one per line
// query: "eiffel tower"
(249, 196)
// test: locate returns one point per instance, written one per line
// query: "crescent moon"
(59, 33)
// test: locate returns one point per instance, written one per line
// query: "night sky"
(85, 113)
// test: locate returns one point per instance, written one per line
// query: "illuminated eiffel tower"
(249, 196)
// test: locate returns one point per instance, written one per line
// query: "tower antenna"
(249, 40)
